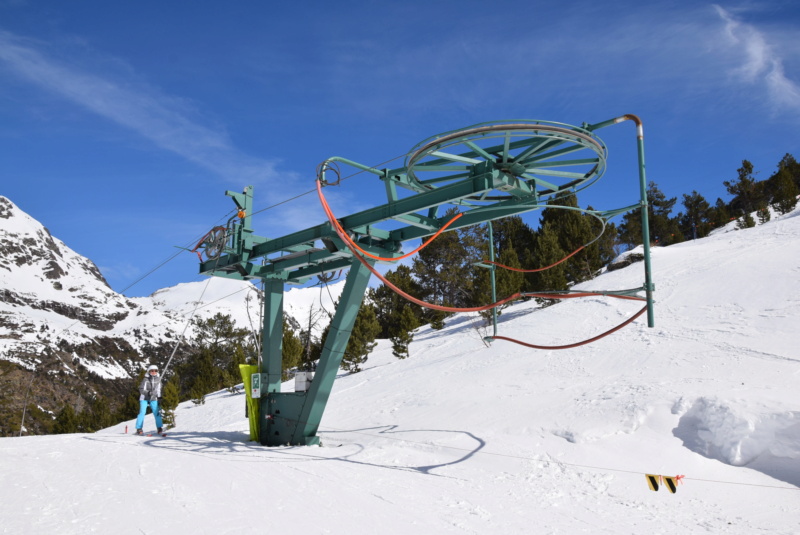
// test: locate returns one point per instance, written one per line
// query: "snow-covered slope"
(50, 295)
(465, 438)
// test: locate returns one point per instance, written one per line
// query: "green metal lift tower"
(489, 171)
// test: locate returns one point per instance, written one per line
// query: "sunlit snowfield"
(465, 438)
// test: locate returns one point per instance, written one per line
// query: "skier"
(149, 392)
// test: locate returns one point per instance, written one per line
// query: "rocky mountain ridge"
(66, 335)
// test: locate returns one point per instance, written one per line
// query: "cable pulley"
(213, 243)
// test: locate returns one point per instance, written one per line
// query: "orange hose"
(354, 249)
(576, 344)
(424, 244)
(539, 269)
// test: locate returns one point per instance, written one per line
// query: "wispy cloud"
(761, 62)
(132, 104)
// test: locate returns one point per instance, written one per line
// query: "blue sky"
(122, 124)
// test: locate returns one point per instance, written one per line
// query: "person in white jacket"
(149, 393)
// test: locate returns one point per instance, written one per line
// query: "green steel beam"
(563, 174)
(381, 213)
(648, 271)
(455, 157)
(272, 336)
(332, 352)
(420, 221)
(540, 182)
(548, 155)
(299, 276)
(562, 163)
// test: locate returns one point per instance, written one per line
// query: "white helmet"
(152, 367)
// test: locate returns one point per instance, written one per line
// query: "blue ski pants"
(143, 411)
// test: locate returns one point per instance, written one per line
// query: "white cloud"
(761, 62)
(129, 103)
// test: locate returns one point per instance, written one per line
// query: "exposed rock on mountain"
(65, 335)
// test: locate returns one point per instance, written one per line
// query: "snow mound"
(765, 439)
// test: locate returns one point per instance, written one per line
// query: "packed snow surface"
(465, 438)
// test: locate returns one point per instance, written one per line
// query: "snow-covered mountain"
(52, 297)
(465, 438)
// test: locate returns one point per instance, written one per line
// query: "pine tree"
(170, 398)
(130, 407)
(792, 167)
(512, 230)
(746, 221)
(205, 378)
(443, 270)
(513, 240)
(389, 305)
(573, 230)
(746, 192)
(508, 282)
(695, 223)
(482, 286)
(362, 339)
(763, 212)
(435, 319)
(403, 335)
(547, 252)
(604, 249)
(292, 348)
(476, 288)
(100, 414)
(312, 345)
(630, 230)
(664, 230)
(218, 348)
(85, 421)
(786, 192)
(66, 421)
(720, 215)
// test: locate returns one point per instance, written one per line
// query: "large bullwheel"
(553, 159)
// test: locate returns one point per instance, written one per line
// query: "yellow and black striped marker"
(653, 481)
(671, 483)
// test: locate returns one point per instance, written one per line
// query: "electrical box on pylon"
(302, 381)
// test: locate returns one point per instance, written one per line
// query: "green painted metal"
(648, 271)
(272, 336)
(332, 352)
(294, 417)
(489, 171)
(649, 287)
(492, 277)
